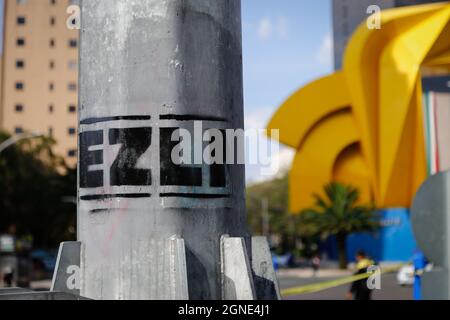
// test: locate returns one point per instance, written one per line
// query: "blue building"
(393, 242)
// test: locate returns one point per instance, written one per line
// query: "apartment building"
(39, 72)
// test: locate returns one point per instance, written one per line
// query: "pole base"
(243, 276)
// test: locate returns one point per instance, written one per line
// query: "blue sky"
(287, 43)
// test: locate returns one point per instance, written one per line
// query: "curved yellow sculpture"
(303, 117)
(364, 125)
(317, 162)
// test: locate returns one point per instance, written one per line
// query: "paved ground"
(41, 285)
(390, 290)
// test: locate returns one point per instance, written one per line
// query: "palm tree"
(338, 214)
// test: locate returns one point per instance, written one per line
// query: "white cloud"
(285, 158)
(283, 27)
(258, 118)
(280, 160)
(265, 28)
(325, 52)
(268, 27)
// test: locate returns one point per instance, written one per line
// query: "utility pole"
(147, 227)
(265, 217)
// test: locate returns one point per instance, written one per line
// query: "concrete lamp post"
(147, 227)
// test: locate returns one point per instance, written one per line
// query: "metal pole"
(13, 140)
(147, 68)
(431, 225)
(265, 217)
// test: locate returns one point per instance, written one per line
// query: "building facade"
(349, 14)
(39, 72)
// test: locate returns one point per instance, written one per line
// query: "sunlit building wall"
(39, 72)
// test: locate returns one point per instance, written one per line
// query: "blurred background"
(287, 45)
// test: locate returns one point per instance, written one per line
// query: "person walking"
(315, 264)
(359, 289)
(8, 277)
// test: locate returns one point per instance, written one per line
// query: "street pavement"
(390, 290)
(290, 278)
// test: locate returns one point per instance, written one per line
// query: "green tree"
(34, 183)
(275, 193)
(338, 214)
(283, 225)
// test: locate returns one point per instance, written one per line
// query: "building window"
(18, 130)
(52, 64)
(52, 43)
(20, 86)
(73, 65)
(52, 21)
(72, 86)
(72, 153)
(21, 20)
(20, 42)
(20, 64)
(73, 43)
(50, 132)
(51, 109)
(19, 108)
(51, 86)
(72, 131)
(72, 109)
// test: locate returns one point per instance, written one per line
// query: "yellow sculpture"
(364, 125)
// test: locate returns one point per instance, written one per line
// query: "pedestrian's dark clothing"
(359, 288)
(8, 279)
(316, 264)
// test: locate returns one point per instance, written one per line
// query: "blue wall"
(393, 242)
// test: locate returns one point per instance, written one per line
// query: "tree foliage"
(34, 184)
(338, 214)
(276, 195)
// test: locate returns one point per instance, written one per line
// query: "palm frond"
(339, 212)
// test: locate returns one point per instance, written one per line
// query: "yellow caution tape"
(317, 287)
